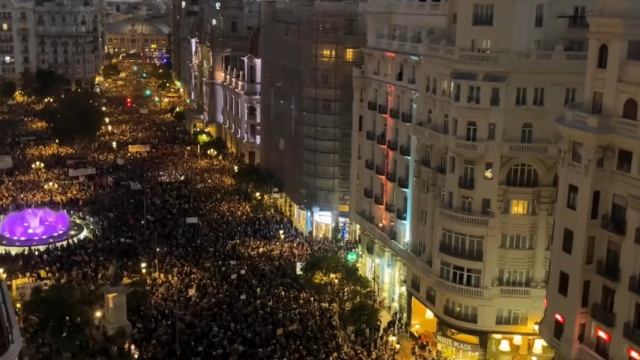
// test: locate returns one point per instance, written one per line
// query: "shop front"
(437, 337)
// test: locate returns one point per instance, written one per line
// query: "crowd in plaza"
(224, 287)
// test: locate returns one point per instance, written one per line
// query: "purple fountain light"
(34, 224)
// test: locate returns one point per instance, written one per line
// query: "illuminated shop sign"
(445, 340)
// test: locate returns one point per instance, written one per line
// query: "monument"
(115, 303)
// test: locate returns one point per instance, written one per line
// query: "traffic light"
(147, 92)
(144, 76)
(129, 102)
(135, 68)
(352, 257)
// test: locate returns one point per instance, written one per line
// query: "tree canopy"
(74, 116)
(331, 276)
(110, 71)
(161, 73)
(8, 89)
(62, 314)
(44, 83)
(253, 177)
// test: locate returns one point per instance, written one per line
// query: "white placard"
(242, 272)
(81, 172)
(234, 276)
(144, 111)
(192, 220)
(243, 297)
(299, 266)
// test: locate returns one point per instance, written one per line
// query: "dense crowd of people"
(222, 287)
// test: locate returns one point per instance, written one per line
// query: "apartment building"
(68, 36)
(17, 39)
(309, 49)
(593, 294)
(454, 164)
(149, 36)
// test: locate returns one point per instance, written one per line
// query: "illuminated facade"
(593, 292)
(148, 37)
(454, 164)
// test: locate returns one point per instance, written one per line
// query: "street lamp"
(106, 120)
(144, 268)
(37, 165)
(109, 127)
(235, 168)
(50, 185)
(114, 144)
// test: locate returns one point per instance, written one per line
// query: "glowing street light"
(109, 127)
(50, 185)
(144, 267)
(106, 120)
(114, 144)
(235, 168)
(37, 165)
(104, 108)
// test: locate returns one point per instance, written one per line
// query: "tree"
(361, 313)
(74, 116)
(44, 83)
(110, 71)
(252, 176)
(161, 73)
(8, 89)
(180, 116)
(60, 315)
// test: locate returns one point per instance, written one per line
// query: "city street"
(210, 265)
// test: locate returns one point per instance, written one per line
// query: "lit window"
(350, 55)
(184, 4)
(328, 53)
(519, 207)
(5, 26)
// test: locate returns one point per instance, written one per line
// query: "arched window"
(603, 56)
(522, 175)
(630, 109)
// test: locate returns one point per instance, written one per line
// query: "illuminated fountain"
(38, 227)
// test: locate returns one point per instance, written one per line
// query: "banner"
(81, 172)
(139, 148)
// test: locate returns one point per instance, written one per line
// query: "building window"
(596, 103)
(569, 96)
(538, 96)
(350, 54)
(234, 26)
(514, 278)
(488, 171)
(526, 133)
(586, 287)
(572, 197)
(563, 284)
(482, 15)
(519, 207)
(521, 96)
(630, 109)
(567, 241)
(467, 204)
(522, 175)
(460, 275)
(595, 205)
(492, 132)
(539, 19)
(459, 311)
(462, 245)
(633, 50)
(576, 157)
(625, 159)
(558, 327)
(520, 242)
(603, 56)
(512, 317)
(473, 95)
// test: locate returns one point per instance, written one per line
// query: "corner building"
(593, 292)
(453, 184)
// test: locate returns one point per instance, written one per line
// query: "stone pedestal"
(115, 309)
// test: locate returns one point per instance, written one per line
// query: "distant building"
(148, 36)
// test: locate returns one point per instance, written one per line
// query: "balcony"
(381, 139)
(603, 316)
(468, 148)
(371, 246)
(390, 208)
(442, 170)
(371, 135)
(405, 150)
(529, 150)
(401, 215)
(466, 183)
(579, 116)
(368, 193)
(378, 200)
(383, 109)
(614, 226)
(636, 237)
(391, 177)
(380, 170)
(460, 253)
(415, 285)
(634, 285)
(610, 272)
(403, 183)
(368, 164)
(372, 106)
(394, 113)
(392, 145)
(406, 118)
(462, 218)
(631, 333)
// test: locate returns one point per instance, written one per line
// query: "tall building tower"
(308, 51)
(68, 38)
(454, 164)
(593, 293)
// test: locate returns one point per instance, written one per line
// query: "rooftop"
(147, 26)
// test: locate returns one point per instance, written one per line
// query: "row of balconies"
(390, 176)
(405, 117)
(579, 117)
(419, 265)
(378, 199)
(392, 145)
